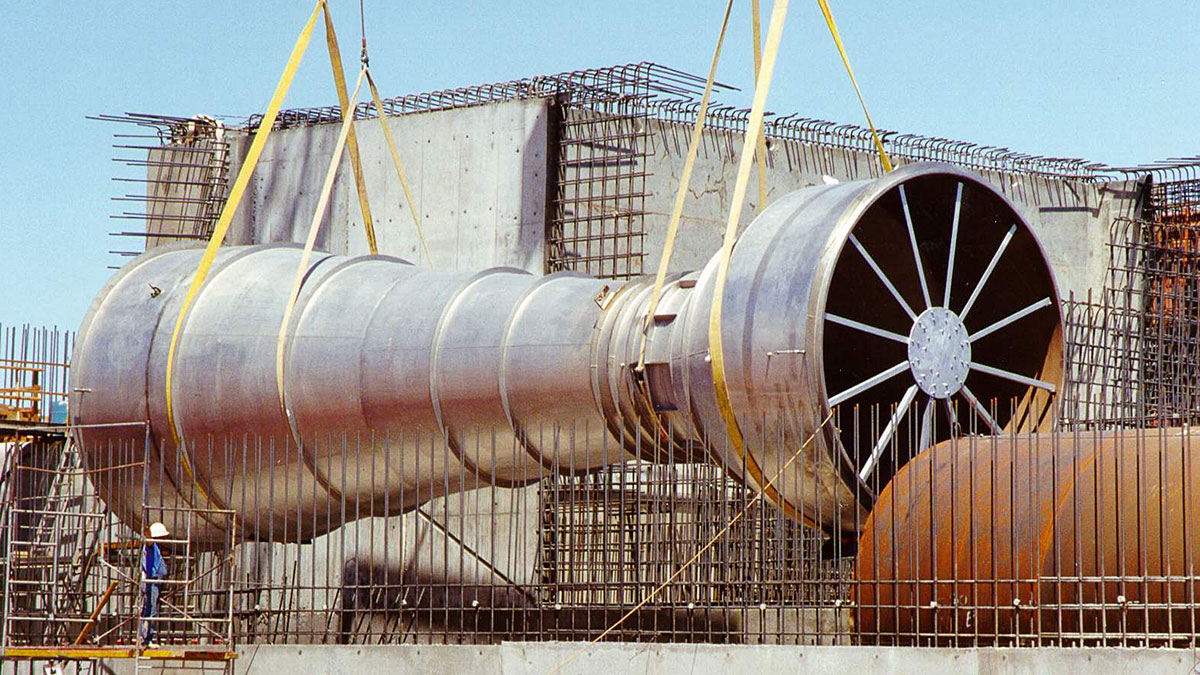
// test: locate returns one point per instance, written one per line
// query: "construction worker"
(154, 568)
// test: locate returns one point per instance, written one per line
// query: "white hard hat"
(158, 530)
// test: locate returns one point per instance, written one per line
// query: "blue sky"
(1108, 81)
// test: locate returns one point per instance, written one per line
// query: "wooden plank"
(168, 653)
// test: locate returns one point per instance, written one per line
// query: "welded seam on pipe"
(307, 457)
(517, 428)
(470, 466)
(604, 388)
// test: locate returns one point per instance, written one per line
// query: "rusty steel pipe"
(1068, 539)
(920, 287)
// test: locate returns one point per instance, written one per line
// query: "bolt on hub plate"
(939, 352)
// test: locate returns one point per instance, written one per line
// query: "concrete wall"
(477, 176)
(473, 545)
(612, 658)
(520, 658)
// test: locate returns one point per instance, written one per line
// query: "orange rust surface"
(984, 541)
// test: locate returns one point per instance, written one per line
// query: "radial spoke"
(926, 426)
(888, 431)
(912, 239)
(951, 414)
(1041, 384)
(851, 323)
(980, 410)
(987, 273)
(882, 277)
(868, 383)
(1044, 302)
(953, 246)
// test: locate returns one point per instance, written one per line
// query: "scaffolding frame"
(73, 586)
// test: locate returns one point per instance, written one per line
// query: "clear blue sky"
(1108, 81)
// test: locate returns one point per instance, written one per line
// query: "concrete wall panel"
(478, 177)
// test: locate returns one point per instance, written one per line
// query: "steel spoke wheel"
(941, 318)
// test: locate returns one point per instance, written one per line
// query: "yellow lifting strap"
(339, 80)
(716, 347)
(837, 40)
(343, 140)
(391, 142)
(313, 228)
(681, 195)
(761, 147)
(226, 218)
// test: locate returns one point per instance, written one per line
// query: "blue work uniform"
(153, 567)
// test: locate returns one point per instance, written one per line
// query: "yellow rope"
(387, 134)
(837, 40)
(226, 218)
(339, 80)
(681, 194)
(716, 347)
(313, 228)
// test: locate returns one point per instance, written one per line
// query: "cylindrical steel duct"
(852, 295)
(1070, 538)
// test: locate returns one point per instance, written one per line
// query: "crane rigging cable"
(238, 190)
(348, 106)
(837, 41)
(716, 347)
(761, 143)
(681, 194)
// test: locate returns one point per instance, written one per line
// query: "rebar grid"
(596, 224)
(1134, 350)
(184, 168)
(568, 555)
(33, 375)
(663, 93)
(1078, 537)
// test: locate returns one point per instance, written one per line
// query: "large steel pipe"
(1067, 538)
(853, 295)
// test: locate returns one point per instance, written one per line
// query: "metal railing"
(1076, 537)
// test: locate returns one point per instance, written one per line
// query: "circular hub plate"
(939, 352)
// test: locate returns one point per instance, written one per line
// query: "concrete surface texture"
(534, 658)
(477, 175)
(515, 658)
